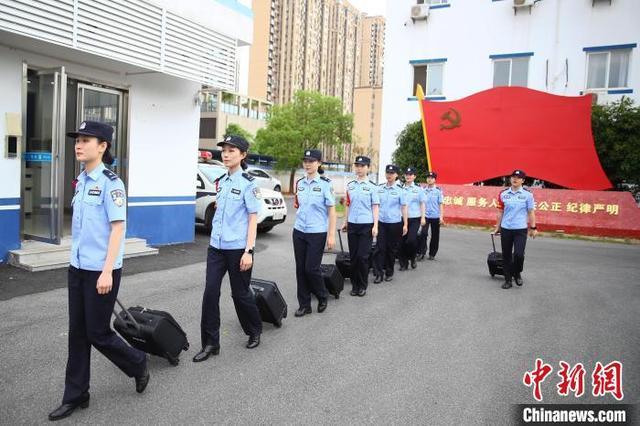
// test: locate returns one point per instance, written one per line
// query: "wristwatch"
(533, 227)
(248, 251)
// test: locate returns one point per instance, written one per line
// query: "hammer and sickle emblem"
(453, 117)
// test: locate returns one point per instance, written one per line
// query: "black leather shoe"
(354, 292)
(432, 257)
(143, 381)
(322, 305)
(388, 278)
(253, 342)
(206, 352)
(377, 279)
(65, 410)
(413, 264)
(403, 268)
(519, 281)
(507, 285)
(302, 312)
(362, 292)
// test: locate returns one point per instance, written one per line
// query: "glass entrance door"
(44, 96)
(106, 106)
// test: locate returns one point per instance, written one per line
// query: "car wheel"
(265, 229)
(208, 217)
(277, 188)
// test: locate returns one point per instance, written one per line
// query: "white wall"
(10, 101)
(468, 31)
(163, 136)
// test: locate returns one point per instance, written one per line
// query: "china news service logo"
(604, 379)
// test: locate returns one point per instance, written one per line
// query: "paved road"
(442, 344)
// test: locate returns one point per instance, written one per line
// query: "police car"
(264, 179)
(273, 210)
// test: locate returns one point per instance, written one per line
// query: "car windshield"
(211, 171)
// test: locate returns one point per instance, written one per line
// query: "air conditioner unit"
(419, 12)
(523, 3)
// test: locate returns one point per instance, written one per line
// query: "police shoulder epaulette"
(324, 178)
(352, 181)
(526, 189)
(372, 183)
(248, 177)
(300, 179)
(111, 175)
(438, 188)
(506, 189)
(219, 178)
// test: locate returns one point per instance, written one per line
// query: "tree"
(236, 130)
(311, 121)
(411, 150)
(616, 131)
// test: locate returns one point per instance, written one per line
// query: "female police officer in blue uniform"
(415, 204)
(516, 214)
(393, 224)
(315, 216)
(233, 236)
(98, 229)
(361, 224)
(435, 217)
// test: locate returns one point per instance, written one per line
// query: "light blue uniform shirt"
(314, 196)
(516, 206)
(361, 196)
(415, 196)
(392, 198)
(433, 200)
(237, 197)
(99, 199)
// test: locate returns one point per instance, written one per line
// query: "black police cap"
(237, 141)
(519, 173)
(391, 168)
(432, 174)
(102, 131)
(410, 171)
(361, 159)
(313, 155)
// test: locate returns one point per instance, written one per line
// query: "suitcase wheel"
(278, 324)
(337, 295)
(492, 275)
(174, 361)
(185, 347)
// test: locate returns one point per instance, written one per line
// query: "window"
(430, 77)
(207, 128)
(432, 2)
(258, 173)
(511, 72)
(608, 69)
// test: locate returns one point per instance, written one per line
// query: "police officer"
(316, 215)
(435, 217)
(233, 237)
(361, 223)
(98, 229)
(416, 211)
(516, 214)
(393, 224)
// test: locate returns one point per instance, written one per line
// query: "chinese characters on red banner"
(550, 206)
(605, 379)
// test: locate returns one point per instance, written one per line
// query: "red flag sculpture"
(491, 133)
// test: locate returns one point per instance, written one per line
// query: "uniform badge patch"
(95, 191)
(256, 193)
(317, 189)
(235, 191)
(117, 195)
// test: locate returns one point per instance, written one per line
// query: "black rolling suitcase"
(154, 332)
(494, 260)
(333, 280)
(270, 302)
(343, 261)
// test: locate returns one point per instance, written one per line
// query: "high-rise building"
(367, 110)
(306, 45)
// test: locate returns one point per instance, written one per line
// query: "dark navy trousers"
(90, 325)
(219, 262)
(360, 240)
(308, 249)
(513, 242)
(388, 243)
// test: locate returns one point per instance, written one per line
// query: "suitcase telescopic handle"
(133, 320)
(493, 242)
(340, 239)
